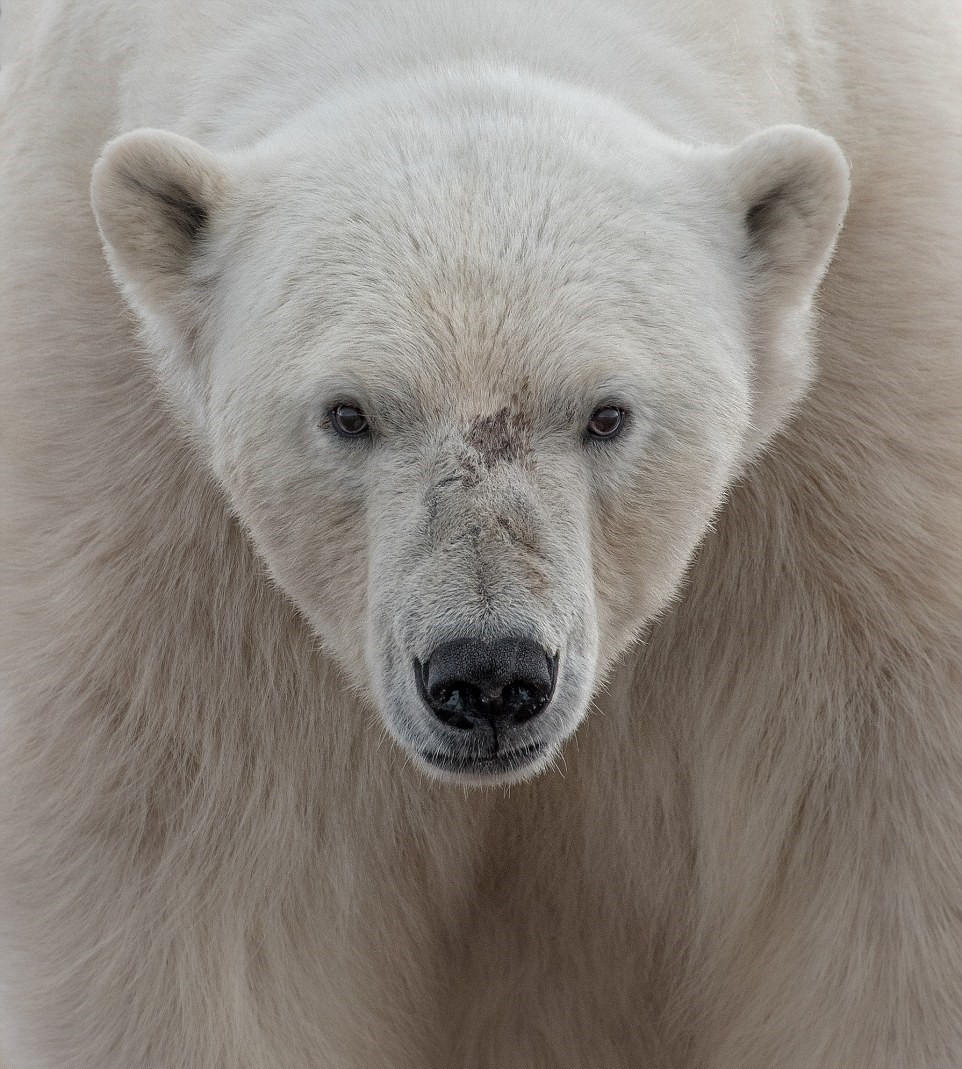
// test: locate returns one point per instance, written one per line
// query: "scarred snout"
(485, 648)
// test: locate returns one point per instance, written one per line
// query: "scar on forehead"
(503, 436)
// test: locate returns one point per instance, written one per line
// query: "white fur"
(479, 217)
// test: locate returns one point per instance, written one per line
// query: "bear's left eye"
(606, 422)
(349, 421)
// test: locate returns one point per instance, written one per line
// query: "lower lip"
(513, 761)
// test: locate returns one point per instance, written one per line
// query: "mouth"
(506, 763)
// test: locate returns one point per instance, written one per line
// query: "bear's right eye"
(349, 421)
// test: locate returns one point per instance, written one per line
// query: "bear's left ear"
(792, 186)
(156, 197)
(788, 186)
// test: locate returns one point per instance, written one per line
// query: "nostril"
(467, 682)
(521, 702)
(451, 706)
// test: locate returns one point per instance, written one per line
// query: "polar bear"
(475, 590)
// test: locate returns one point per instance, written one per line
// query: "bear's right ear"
(156, 197)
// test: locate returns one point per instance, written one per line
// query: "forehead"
(483, 352)
(469, 315)
(484, 302)
(490, 352)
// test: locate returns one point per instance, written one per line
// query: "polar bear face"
(476, 389)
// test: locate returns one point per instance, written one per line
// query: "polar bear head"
(475, 363)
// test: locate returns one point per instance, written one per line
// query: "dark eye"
(606, 422)
(349, 421)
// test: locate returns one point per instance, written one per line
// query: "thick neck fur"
(630, 52)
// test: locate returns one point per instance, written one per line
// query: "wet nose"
(469, 684)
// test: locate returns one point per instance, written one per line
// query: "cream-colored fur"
(750, 854)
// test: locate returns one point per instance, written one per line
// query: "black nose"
(469, 683)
